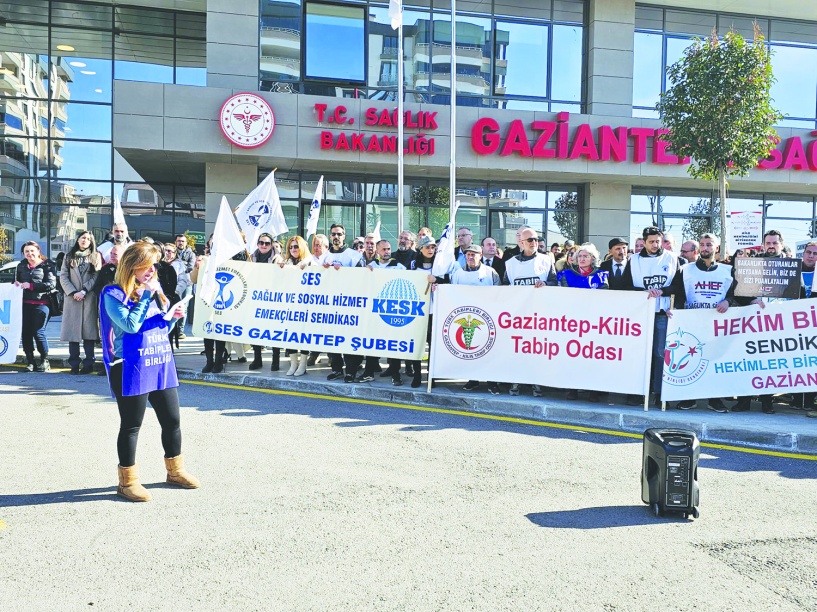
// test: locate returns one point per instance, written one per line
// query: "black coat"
(498, 265)
(42, 277)
(615, 283)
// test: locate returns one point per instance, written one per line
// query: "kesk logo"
(683, 359)
(398, 303)
(4, 345)
(247, 120)
(469, 332)
(229, 282)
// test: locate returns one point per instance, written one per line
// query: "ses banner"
(362, 311)
(11, 321)
(553, 336)
(744, 351)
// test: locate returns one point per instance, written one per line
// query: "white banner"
(11, 321)
(744, 351)
(351, 310)
(553, 336)
(745, 230)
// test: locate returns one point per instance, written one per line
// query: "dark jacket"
(511, 252)
(104, 277)
(615, 283)
(498, 265)
(405, 257)
(167, 280)
(43, 278)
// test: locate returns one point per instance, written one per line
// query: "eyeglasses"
(336, 234)
(260, 243)
(359, 246)
(293, 246)
(531, 240)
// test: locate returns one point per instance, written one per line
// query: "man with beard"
(772, 247)
(119, 236)
(530, 267)
(405, 248)
(705, 283)
(383, 261)
(653, 270)
(340, 256)
(616, 262)
(369, 251)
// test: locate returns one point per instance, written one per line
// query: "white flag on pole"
(314, 211)
(227, 241)
(376, 233)
(396, 13)
(261, 212)
(444, 260)
(118, 213)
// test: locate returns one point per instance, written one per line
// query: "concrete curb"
(774, 434)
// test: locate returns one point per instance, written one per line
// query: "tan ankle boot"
(129, 486)
(177, 475)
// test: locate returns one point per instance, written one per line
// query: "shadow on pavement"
(60, 497)
(600, 517)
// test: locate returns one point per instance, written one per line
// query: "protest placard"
(768, 277)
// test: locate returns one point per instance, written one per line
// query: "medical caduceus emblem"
(247, 120)
(465, 334)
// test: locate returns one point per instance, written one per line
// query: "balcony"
(281, 65)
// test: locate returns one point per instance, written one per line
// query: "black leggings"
(165, 404)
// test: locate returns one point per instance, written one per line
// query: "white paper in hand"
(169, 314)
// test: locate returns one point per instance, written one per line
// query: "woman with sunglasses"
(299, 256)
(140, 365)
(266, 253)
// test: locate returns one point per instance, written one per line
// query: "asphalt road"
(316, 504)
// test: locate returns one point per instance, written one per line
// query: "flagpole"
(452, 180)
(400, 112)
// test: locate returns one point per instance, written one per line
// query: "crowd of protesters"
(651, 265)
(532, 262)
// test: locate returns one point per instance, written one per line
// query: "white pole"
(400, 126)
(452, 186)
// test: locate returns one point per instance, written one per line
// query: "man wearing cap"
(615, 264)
(476, 273)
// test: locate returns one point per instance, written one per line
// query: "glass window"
(17, 188)
(562, 225)
(568, 10)
(23, 61)
(24, 156)
(475, 220)
(89, 15)
(144, 58)
(24, 10)
(742, 25)
(647, 69)
(191, 62)
(473, 57)
(682, 204)
(24, 222)
(505, 224)
(647, 18)
(191, 25)
(347, 215)
(531, 9)
(792, 32)
(793, 231)
(79, 120)
(520, 60)
(694, 23)
(76, 159)
(81, 192)
(131, 19)
(508, 197)
(280, 41)
(81, 65)
(777, 206)
(795, 88)
(567, 63)
(325, 25)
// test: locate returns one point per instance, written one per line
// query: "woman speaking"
(140, 365)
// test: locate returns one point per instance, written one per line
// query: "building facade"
(555, 124)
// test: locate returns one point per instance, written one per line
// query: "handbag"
(55, 301)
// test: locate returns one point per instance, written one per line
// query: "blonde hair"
(137, 257)
(303, 250)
